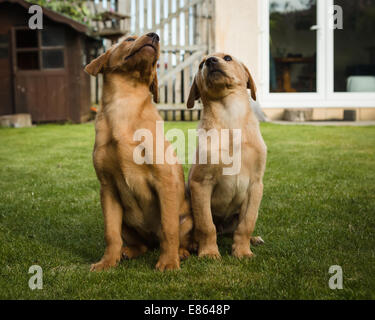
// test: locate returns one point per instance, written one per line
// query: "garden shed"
(41, 71)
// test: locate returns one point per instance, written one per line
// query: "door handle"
(315, 28)
(318, 30)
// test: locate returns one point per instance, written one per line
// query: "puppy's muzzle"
(213, 66)
(154, 36)
(212, 62)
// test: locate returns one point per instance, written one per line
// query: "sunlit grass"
(318, 210)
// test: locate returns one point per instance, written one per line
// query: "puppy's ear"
(96, 66)
(194, 94)
(154, 88)
(251, 83)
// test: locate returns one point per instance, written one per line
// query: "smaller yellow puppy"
(226, 201)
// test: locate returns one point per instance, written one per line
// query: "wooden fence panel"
(186, 32)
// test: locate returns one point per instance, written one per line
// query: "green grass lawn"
(318, 210)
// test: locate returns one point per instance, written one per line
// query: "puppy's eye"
(130, 39)
(201, 65)
(228, 58)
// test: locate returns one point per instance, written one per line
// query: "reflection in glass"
(53, 59)
(4, 44)
(354, 47)
(293, 45)
(26, 39)
(53, 36)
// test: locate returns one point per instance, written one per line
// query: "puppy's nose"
(153, 36)
(211, 61)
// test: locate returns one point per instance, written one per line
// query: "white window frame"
(325, 97)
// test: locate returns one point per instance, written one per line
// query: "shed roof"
(57, 17)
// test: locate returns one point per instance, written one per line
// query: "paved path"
(328, 123)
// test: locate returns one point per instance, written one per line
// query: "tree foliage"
(74, 9)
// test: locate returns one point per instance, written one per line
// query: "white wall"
(237, 31)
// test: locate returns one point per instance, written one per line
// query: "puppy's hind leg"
(134, 247)
(186, 236)
(228, 229)
(256, 241)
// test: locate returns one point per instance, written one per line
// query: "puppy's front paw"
(242, 252)
(103, 265)
(166, 263)
(209, 252)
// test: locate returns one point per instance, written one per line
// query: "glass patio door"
(318, 53)
(293, 46)
(351, 50)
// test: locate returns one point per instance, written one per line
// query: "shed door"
(6, 88)
(40, 77)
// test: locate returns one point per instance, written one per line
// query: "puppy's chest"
(109, 158)
(232, 116)
(130, 181)
(229, 194)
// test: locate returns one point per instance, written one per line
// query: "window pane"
(26, 39)
(4, 42)
(4, 52)
(28, 60)
(293, 45)
(53, 59)
(53, 36)
(3, 39)
(354, 67)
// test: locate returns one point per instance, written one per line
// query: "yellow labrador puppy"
(143, 205)
(225, 201)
